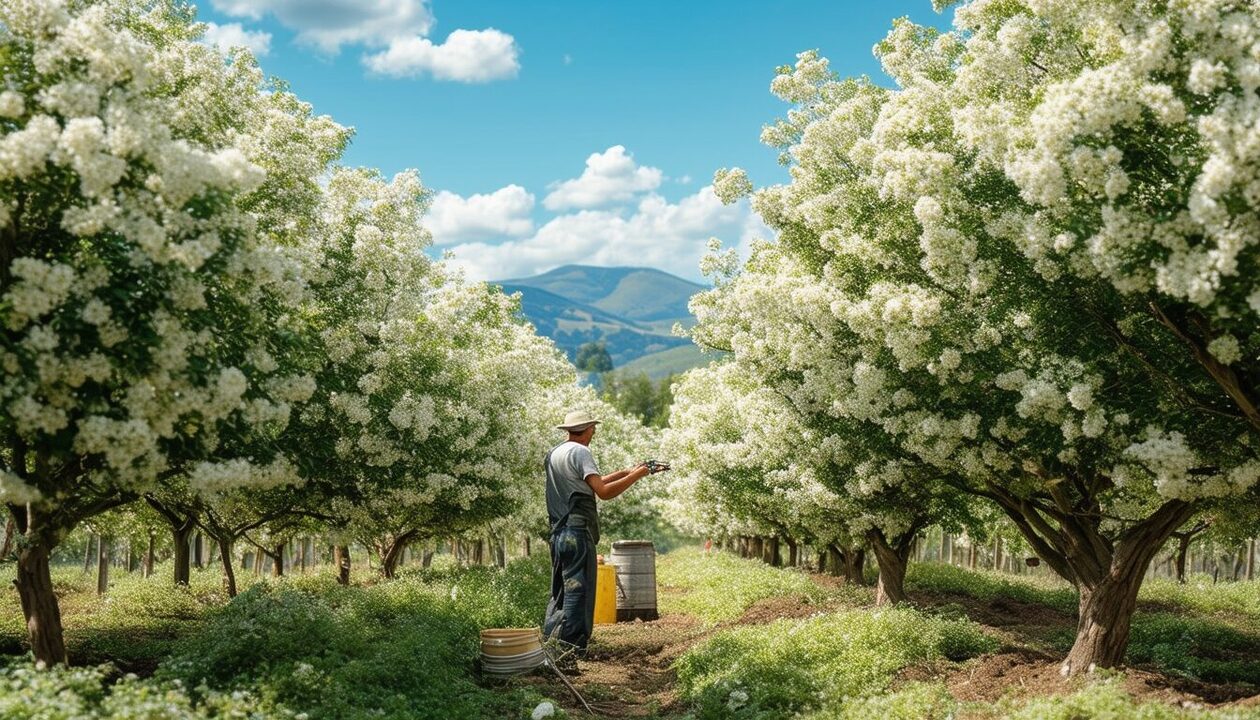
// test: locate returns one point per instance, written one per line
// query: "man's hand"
(655, 466)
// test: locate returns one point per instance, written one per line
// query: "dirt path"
(628, 672)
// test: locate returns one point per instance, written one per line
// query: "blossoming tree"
(143, 311)
(1029, 367)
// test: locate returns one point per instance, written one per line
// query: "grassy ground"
(737, 639)
(300, 647)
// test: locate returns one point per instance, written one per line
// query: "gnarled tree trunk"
(39, 604)
(1107, 572)
(391, 553)
(1106, 606)
(893, 556)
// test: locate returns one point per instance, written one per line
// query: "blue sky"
(560, 131)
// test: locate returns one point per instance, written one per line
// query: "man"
(573, 483)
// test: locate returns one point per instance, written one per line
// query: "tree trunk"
(180, 535)
(528, 549)
(131, 557)
(893, 558)
(147, 571)
(500, 554)
(10, 532)
(39, 604)
(1251, 558)
(835, 560)
(393, 553)
(997, 552)
(302, 559)
(277, 567)
(198, 557)
(426, 561)
(102, 564)
(794, 555)
(88, 554)
(1102, 631)
(971, 554)
(229, 573)
(757, 549)
(341, 557)
(1107, 571)
(855, 566)
(773, 555)
(1183, 547)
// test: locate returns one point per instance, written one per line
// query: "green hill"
(632, 310)
(670, 362)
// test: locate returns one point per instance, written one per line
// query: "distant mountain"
(632, 310)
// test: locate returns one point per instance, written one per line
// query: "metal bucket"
(508, 651)
(635, 561)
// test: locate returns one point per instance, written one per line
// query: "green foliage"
(640, 396)
(915, 701)
(84, 694)
(988, 585)
(593, 357)
(722, 586)
(1200, 648)
(820, 663)
(1105, 701)
(1238, 599)
(302, 645)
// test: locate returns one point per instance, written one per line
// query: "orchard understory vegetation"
(982, 438)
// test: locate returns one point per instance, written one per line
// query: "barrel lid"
(618, 544)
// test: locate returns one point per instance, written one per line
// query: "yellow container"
(605, 595)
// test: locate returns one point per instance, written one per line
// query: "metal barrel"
(635, 561)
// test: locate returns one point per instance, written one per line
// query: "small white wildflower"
(1226, 349)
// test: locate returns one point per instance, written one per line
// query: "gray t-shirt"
(569, 499)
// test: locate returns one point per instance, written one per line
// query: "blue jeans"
(571, 610)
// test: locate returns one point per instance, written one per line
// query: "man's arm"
(609, 486)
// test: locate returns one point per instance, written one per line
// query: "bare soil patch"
(628, 670)
(777, 608)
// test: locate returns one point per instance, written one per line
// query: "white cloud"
(231, 35)
(400, 27)
(466, 56)
(329, 24)
(504, 212)
(660, 234)
(610, 177)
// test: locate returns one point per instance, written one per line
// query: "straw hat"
(577, 421)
